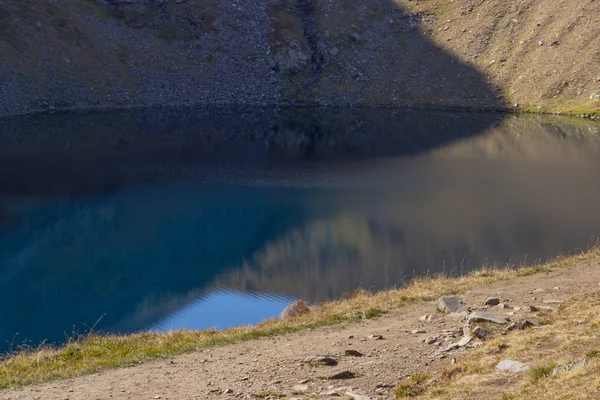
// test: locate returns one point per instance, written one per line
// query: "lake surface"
(164, 219)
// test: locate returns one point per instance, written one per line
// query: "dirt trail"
(271, 366)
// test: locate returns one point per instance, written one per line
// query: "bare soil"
(270, 367)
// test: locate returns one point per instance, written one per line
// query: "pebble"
(375, 337)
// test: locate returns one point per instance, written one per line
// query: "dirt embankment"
(540, 55)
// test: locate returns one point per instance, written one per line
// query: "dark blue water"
(137, 221)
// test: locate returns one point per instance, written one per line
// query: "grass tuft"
(412, 387)
(542, 371)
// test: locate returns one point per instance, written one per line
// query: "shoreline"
(93, 353)
(591, 114)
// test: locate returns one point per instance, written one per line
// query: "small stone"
(343, 375)
(512, 366)
(571, 367)
(227, 391)
(520, 325)
(353, 353)
(375, 337)
(384, 386)
(417, 331)
(431, 340)
(304, 381)
(480, 316)
(502, 306)
(491, 301)
(355, 37)
(481, 333)
(464, 341)
(532, 308)
(453, 361)
(318, 360)
(451, 304)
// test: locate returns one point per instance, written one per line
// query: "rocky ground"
(355, 361)
(536, 55)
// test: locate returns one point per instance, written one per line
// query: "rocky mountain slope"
(532, 54)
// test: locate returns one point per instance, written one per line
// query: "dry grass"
(571, 335)
(94, 353)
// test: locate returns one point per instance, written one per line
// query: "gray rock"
(570, 367)
(343, 375)
(291, 61)
(431, 340)
(227, 391)
(520, 325)
(375, 337)
(334, 51)
(417, 331)
(451, 304)
(355, 37)
(464, 341)
(318, 360)
(512, 366)
(491, 301)
(480, 316)
(353, 353)
(533, 308)
(481, 333)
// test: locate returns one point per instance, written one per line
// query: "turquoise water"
(125, 223)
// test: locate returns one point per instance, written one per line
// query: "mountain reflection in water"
(216, 241)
